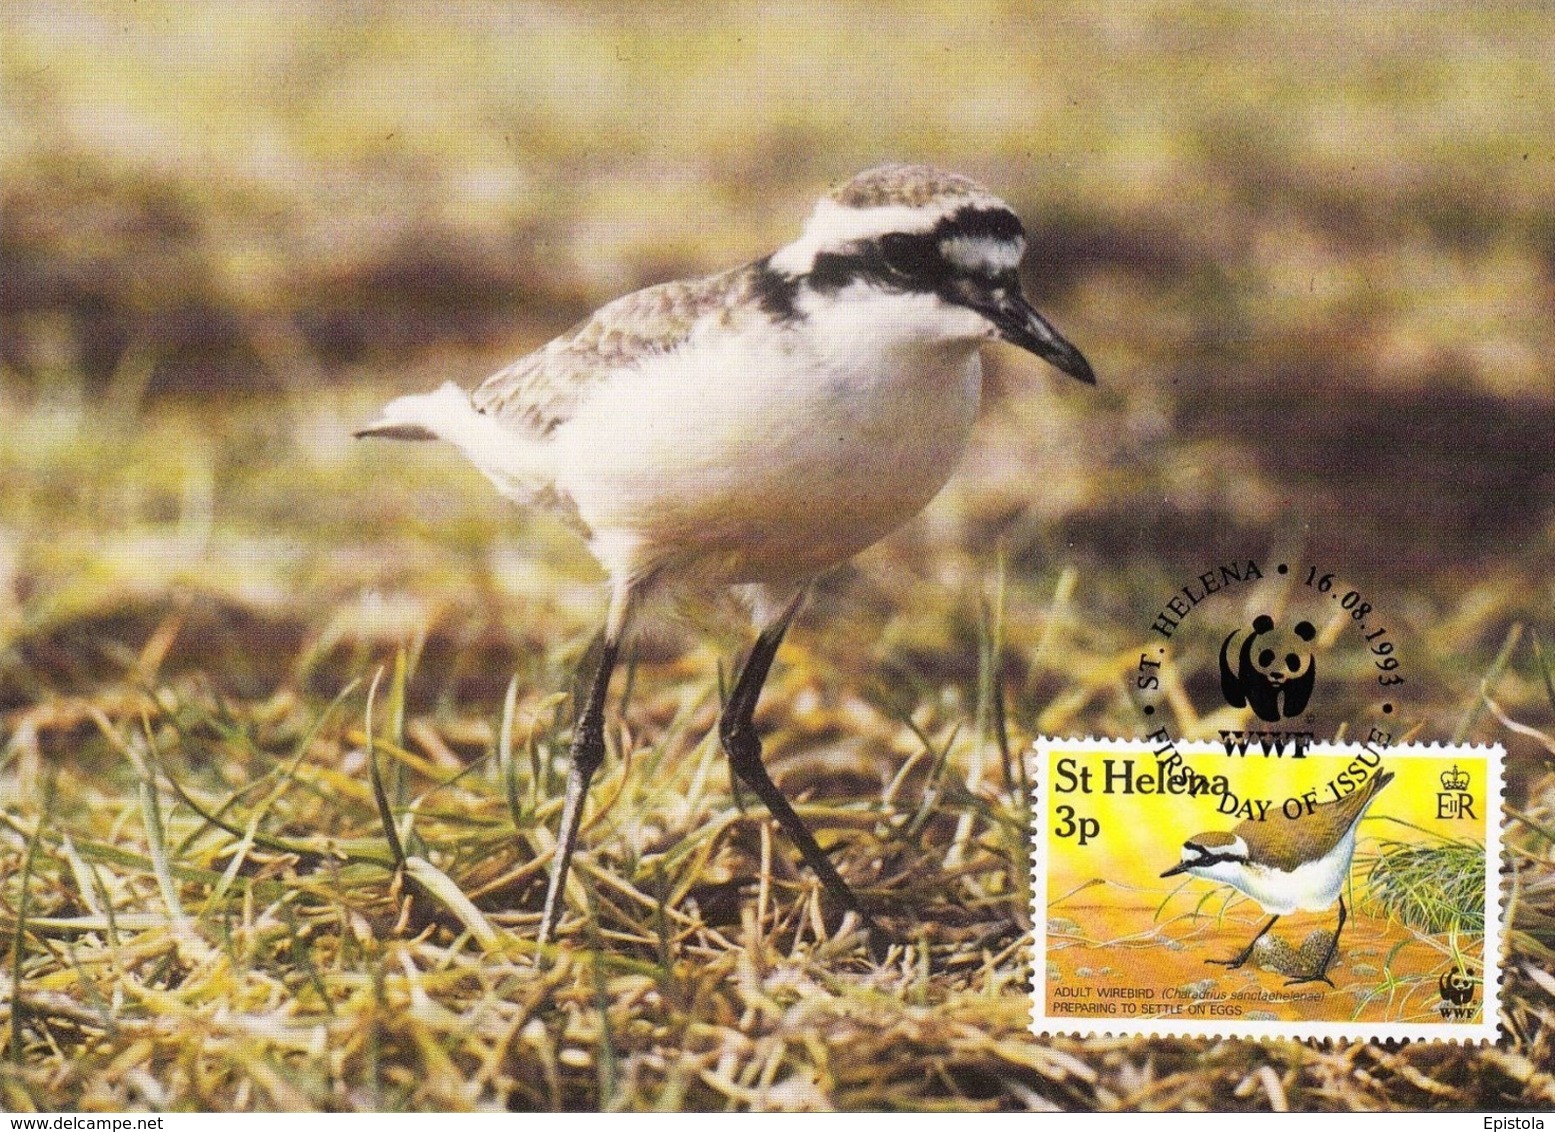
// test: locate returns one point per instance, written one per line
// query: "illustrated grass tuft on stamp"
(1362, 900)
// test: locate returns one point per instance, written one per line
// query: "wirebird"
(1286, 864)
(754, 428)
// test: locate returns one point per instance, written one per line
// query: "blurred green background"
(1310, 250)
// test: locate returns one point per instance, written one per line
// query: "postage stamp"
(1342, 890)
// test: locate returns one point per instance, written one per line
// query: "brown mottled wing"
(1277, 840)
(544, 389)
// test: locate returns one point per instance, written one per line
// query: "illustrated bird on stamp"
(1286, 864)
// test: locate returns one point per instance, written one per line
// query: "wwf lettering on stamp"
(1197, 889)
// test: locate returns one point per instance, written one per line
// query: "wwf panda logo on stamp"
(1367, 908)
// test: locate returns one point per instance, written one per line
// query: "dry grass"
(206, 912)
(205, 908)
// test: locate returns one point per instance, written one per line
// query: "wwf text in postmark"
(1272, 655)
(1371, 911)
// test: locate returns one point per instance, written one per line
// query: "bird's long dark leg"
(586, 755)
(1320, 973)
(1237, 960)
(737, 732)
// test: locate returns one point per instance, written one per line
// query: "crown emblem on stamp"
(1455, 779)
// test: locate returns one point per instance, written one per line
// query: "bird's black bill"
(1022, 326)
(1180, 867)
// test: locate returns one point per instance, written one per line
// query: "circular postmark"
(1271, 657)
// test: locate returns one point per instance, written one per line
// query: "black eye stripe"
(980, 224)
(833, 271)
(920, 271)
(917, 257)
(1207, 858)
(899, 261)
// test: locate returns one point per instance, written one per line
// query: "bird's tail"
(438, 415)
(1368, 794)
(516, 465)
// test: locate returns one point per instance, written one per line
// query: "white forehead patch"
(833, 225)
(1234, 847)
(983, 255)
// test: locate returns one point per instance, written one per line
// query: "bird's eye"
(915, 257)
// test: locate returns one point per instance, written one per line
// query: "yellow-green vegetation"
(1435, 888)
(1309, 251)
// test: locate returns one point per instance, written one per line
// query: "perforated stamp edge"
(1484, 1032)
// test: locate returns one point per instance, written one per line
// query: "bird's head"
(1214, 856)
(941, 250)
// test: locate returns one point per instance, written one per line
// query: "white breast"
(764, 454)
(1311, 887)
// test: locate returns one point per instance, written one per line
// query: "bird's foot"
(1231, 964)
(1314, 977)
(876, 940)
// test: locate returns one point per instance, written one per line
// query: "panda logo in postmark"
(1305, 655)
(1272, 675)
